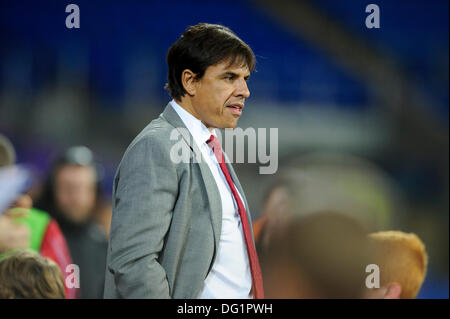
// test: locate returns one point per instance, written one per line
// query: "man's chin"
(230, 125)
(76, 219)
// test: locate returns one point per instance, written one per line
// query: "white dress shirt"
(230, 275)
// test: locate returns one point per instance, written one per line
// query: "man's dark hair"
(201, 46)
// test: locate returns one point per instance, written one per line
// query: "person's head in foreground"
(25, 274)
(209, 67)
(402, 262)
(320, 255)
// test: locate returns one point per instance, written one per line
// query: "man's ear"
(393, 291)
(188, 81)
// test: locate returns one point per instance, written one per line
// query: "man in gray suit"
(182, 229)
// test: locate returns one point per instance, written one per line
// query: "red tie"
(257, 282)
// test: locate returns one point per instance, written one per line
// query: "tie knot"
(211, 138)
(212, 141)
(214, 144)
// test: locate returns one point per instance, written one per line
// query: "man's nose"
(242, 89)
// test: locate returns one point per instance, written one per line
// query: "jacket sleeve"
(144, 195)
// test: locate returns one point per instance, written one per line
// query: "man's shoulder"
(156, 135)
(158, 130)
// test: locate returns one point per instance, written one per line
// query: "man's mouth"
(236, 108)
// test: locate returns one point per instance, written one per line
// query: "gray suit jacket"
(167, 217)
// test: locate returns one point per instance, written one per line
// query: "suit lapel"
(212, 191)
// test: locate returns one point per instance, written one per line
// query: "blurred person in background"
(24, 274)
(325, 255)
(330, 180)
(293, 199)
(22, 226)
(7, 152)
(13, 235)
(71, 195)
(320, 255)
(103, 215)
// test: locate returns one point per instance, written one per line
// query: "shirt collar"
(197, 129)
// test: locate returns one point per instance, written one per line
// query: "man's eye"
(229, 77)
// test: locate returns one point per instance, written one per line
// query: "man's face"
(220, 95)
(75, 192)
